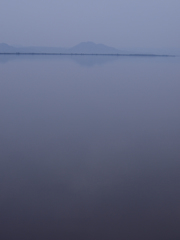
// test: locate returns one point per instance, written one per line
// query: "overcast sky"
(65, 23)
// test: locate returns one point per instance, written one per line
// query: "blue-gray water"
(89, 148)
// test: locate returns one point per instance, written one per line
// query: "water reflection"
(82, 60)
(90, 153)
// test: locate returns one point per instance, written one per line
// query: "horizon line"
(95, 54)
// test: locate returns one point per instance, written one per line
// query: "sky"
(116, 23)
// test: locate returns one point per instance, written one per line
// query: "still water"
(89, 148)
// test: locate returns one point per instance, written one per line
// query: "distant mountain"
(90, 48)
(41, 50)
(84, 47)
(5, 48)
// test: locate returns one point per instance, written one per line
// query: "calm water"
(89, 148)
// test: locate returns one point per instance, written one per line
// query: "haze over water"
(89, 148)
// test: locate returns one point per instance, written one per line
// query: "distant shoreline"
(93, 54)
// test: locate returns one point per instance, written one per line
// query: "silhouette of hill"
(5, 48)
(84, 47)
(92, 48)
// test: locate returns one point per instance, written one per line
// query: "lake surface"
(89, 148)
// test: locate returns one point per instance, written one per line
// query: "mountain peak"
(4, 45)
(83, 47)
(91, 47)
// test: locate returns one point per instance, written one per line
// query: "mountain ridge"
(83, 47)
(93, 48)
(86, 48)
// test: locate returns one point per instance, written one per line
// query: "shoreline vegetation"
(93, 54)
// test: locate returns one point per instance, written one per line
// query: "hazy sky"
(117, 23)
